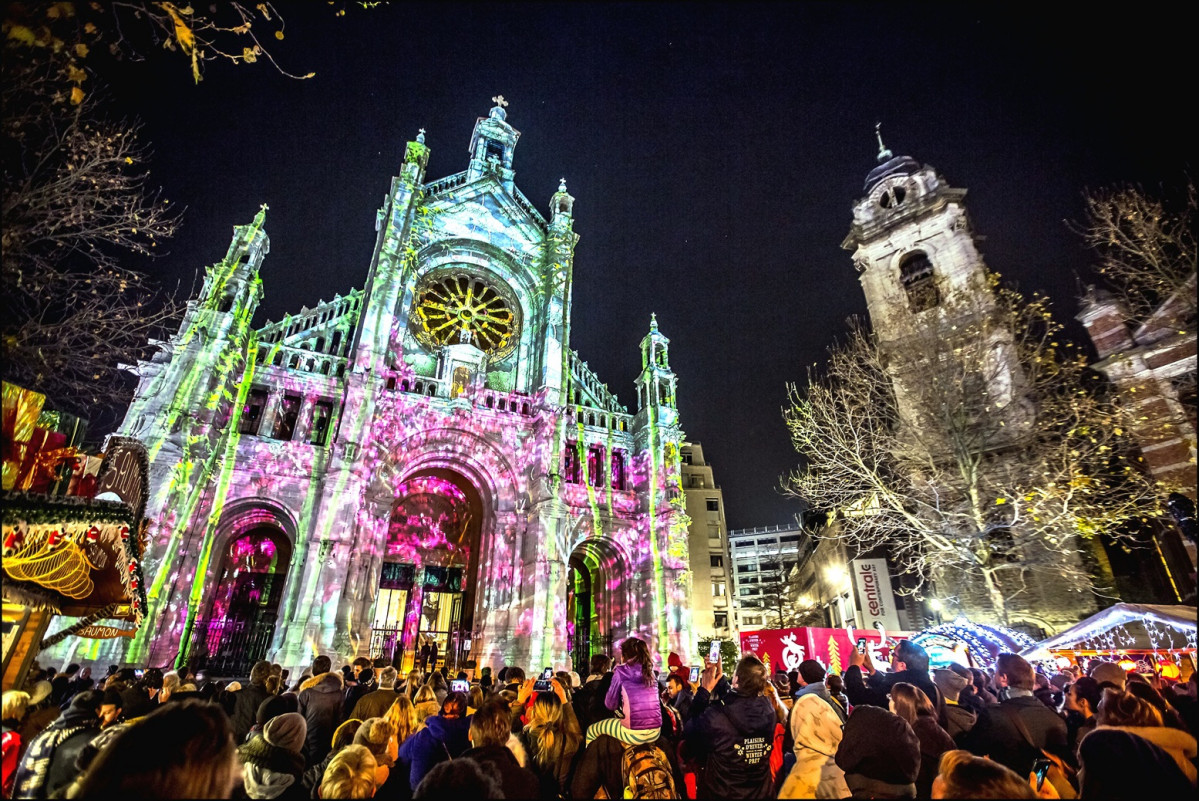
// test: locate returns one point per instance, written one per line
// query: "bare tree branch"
(76, 201)
(1146, 248)
(990, 457)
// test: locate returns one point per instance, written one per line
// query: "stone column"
(274, 402)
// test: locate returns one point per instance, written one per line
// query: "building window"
(285, 420)
(713, 505)
(717, 589)
(595, 465)
(744, 568)
(570, 466)
(495, 149)
(618, 470)
(251, 413)
(916, 276)
(716, 560)
(320, 422)
(686, 456)
(722, 620)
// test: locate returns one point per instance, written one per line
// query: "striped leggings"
(614, 727)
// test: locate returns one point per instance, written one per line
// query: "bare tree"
(76, 199)
(1146, 247)
(978, 450)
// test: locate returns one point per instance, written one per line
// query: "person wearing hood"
(273, 762)
(445, 736)
(816, 721)
(955, 718)
(321, 702)
(734, 735)
(1125, 712)
(879, 753)
(49, 764)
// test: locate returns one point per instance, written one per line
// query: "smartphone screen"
(547, 674)
(714, 652)
(695, 674)
(460, 686)
(861, 645)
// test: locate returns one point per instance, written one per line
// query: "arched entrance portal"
(596, 606)
(423, 613)
(241, 619)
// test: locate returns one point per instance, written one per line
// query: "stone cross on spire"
(420, 136)
(499, 101)
(883, 152)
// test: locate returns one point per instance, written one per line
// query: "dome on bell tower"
(888, 163)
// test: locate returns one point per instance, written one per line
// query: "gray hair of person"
(387, 678)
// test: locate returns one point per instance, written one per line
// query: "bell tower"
(656, 402)
(912, 242)
(492, 144)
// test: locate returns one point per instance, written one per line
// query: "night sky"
(714, 154)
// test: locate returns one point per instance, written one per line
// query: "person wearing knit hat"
(1111, 673)
(957, 719)
(273, 763)
(272, 707)
(376, 735)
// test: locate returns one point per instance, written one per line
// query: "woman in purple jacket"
(633, 696)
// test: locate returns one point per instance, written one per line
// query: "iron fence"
(229, 648)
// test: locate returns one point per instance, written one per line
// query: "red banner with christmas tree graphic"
(783, 649)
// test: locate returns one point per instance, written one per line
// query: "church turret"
(231, 286)
(656, 384)
(492, 144)
(562, 206)
(912, 242)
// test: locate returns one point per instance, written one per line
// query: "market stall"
(72, 525)
(970, 644)
(1141, 637)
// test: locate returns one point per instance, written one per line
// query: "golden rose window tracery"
(458, 308)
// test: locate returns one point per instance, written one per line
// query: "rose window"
(457, 308)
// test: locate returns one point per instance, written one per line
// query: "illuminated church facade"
(421, 462)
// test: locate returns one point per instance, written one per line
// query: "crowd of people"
(623, 731)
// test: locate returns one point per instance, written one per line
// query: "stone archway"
(423, 610)
(245, 590)
(598, 604)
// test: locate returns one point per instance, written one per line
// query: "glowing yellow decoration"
(465, 309)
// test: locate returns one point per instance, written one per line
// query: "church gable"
(315, 340)
(485, 210)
